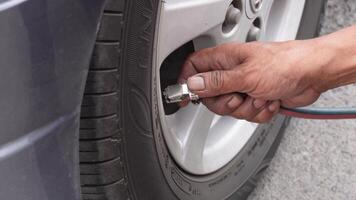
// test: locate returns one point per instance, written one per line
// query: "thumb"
(213, 83)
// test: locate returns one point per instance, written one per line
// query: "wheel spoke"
(215, 36)
(264, 13)
(196, 136)
(281, 20)
(184, 20)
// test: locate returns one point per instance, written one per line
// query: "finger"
(215, 83)
(199, 61)
(246, 110)
(267, 113)
(275, 106)
(223, 105)
(259, 103)
(209, 59)
(306, 98)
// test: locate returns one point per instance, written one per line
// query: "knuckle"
(216, 80)
(190, 58)
(193, 55)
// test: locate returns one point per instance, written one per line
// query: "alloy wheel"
(200, 141)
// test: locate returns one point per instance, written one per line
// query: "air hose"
(320, 113)
(179, 92)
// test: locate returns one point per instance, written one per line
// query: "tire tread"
(102, 170)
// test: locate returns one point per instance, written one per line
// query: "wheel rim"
(199, 141)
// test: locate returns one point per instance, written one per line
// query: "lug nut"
(254, 34)
(256, 5)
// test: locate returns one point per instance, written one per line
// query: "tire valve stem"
(178, 93)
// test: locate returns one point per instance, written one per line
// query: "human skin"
(252, 80)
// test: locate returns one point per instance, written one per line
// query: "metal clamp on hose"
(180, 92)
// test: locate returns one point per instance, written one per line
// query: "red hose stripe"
(315, 116)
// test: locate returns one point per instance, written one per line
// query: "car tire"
(122, 153)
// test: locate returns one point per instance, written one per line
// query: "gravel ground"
(317, 159)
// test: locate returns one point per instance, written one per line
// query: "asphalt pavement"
(317, 159)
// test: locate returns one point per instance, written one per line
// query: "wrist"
(339, 51)
(313, 62)
(324, 59)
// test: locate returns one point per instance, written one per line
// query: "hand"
(271, 74)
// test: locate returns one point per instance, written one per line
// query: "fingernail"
(273, 107)
(258, 103)
(234, 102)
(196, 83)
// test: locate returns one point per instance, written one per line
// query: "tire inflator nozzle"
(178, 93)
